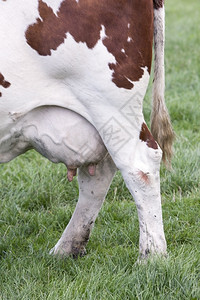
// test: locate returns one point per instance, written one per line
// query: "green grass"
(37, 203)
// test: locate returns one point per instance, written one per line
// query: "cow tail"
(161, 127)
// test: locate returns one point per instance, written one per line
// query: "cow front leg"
(92, 192)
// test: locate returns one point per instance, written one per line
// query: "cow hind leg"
(143, 181)
(92, 192)
(139, 163)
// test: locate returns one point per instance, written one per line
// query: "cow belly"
(58, 134)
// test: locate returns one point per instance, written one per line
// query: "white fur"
(54, 4)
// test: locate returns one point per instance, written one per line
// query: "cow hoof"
(75, 252)
(79, 252)
(51, 252)
(151, 256)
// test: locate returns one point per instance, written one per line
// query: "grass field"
(37, 203)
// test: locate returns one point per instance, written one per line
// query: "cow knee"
(148, 149)
(154, 157)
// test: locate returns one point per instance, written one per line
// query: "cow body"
(71, 67)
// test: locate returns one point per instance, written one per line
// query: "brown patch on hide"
(146, 136)
(158, 3)
(144, 177)
(128, 28)
(5, 84)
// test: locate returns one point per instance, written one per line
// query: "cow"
(73, 75)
